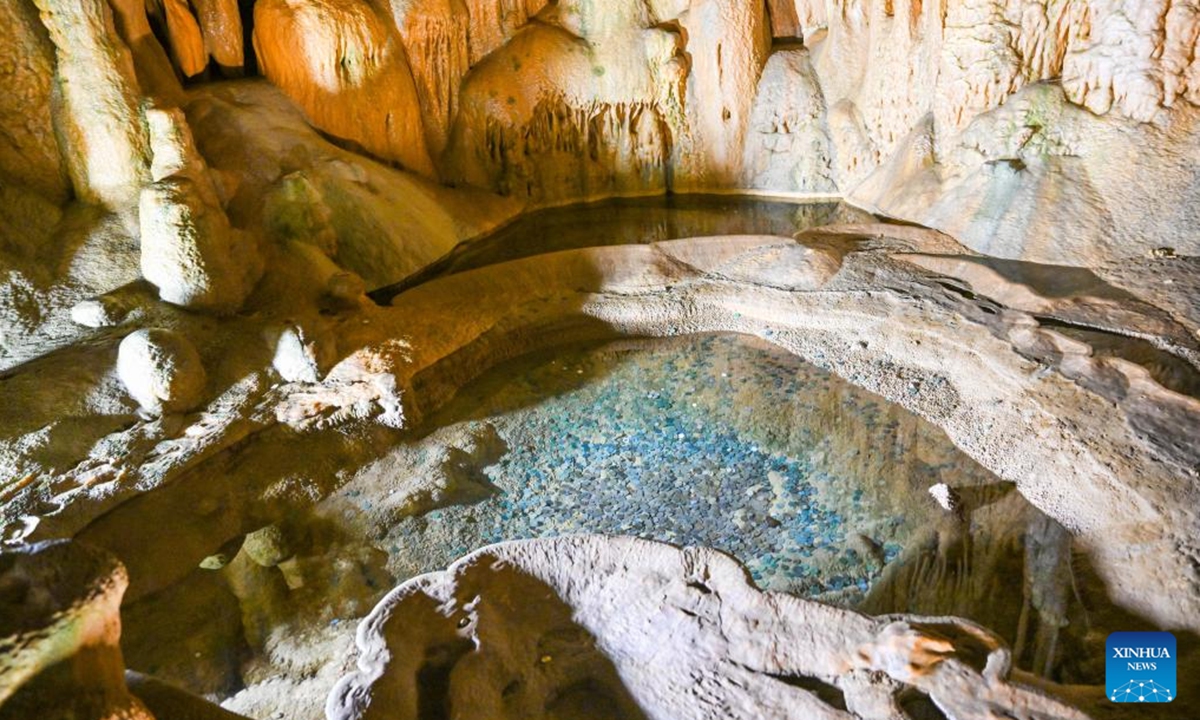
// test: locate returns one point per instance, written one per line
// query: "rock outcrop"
(631, 628)
(344, 65)
(623, 99)
(98, 118)
(29, 155)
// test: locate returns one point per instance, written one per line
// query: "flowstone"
(613, 627)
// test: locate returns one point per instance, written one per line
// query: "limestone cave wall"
(196, 197)
(962, 115)
(1026, 128)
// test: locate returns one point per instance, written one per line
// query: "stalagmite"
(189, 250)
(161, 370)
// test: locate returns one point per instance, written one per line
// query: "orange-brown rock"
(221, 25)
(342, 62)
(28, 153)
(436, 36)
(493, 22)
(187, 42)
(154, 73)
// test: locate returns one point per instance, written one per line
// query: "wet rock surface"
(615, 627)
(628, 221)
(323, 461)
(193, 378)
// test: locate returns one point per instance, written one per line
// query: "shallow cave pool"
(712, 440)
(631, 221)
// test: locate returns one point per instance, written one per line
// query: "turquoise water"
(721, 441)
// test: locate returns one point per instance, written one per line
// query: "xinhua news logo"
(1141, 667)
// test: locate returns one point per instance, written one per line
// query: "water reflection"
(632, 221)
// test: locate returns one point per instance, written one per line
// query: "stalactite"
(155, 75)
(186, 40)
(492, 22)
(221, 25)
(437, 48)
(566, 151)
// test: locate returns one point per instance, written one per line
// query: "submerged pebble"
(653, 440)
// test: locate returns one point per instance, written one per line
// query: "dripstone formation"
(307, 308)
